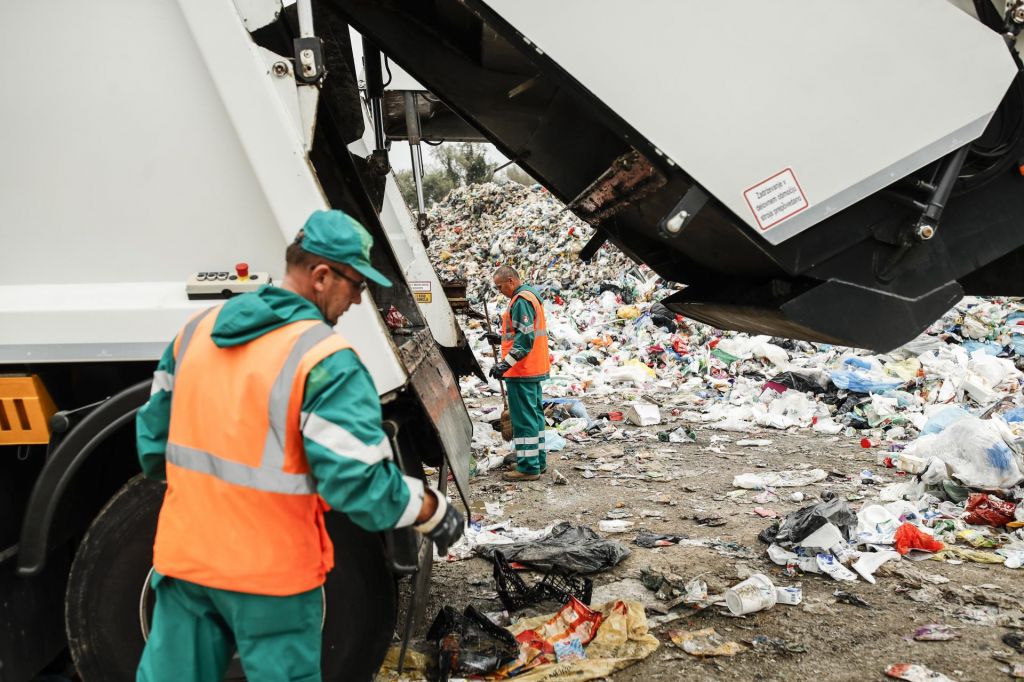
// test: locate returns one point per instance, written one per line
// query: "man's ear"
(318, 276)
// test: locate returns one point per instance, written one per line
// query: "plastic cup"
(756, 593)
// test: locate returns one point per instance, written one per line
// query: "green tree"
(436, 185)
(453, 164)
(517, 174)
(464, 163)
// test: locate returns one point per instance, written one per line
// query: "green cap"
(337, 236)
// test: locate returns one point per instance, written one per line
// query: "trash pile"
(960, 495)
(610, 337)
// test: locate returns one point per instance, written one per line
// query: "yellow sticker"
(423, 296)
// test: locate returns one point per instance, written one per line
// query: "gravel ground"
(823, 639)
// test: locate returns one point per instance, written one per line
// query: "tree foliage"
(517, 174)
(453, 164)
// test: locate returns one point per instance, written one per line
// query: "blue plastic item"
(863, 382)
(987, 347)
(943, 418)
(1014, 415)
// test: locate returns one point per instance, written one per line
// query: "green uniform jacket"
(339, 389)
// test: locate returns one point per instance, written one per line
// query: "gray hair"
(506, 272)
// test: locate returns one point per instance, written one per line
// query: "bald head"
(506, 280)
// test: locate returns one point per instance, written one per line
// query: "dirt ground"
(822, 639)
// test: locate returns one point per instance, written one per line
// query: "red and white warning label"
(776, 199)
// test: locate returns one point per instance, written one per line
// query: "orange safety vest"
(241, 511)
(538, 361)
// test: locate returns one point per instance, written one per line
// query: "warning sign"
(421, 292)
(776, 199)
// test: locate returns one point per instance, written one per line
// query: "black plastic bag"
(797, 382)
(801, 523)
(469, 643)
(650, 540)
(568, 550)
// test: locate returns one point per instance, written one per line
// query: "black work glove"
(498, 371)
(493, 338)
(445, 527)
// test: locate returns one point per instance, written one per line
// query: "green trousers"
(196, 630)
(526, 409)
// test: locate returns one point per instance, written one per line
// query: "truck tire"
(105, 584)
(108, 577)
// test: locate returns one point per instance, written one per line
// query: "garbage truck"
(838, 172)
(159, 159)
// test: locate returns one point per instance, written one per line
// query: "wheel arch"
(63, 465)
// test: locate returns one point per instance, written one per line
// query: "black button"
(232, 276)
(254, 276)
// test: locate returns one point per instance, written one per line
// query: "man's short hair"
(296, 257)
(505, 273)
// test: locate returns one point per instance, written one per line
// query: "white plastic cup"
(756, 593)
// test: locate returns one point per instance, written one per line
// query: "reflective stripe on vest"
(269, 476)
(537, 361)
(187, 333)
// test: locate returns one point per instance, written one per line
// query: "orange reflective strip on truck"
(25, 410)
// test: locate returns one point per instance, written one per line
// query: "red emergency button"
(242, 269)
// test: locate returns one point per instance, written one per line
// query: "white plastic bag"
(977, 451)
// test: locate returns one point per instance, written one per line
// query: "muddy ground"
(822, 638)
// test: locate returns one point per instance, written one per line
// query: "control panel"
(223, 283)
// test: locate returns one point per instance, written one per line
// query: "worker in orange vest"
(261, 418)
(525, 363)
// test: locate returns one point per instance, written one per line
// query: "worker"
(261, 418)
(524, 364)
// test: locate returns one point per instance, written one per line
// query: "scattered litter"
(650, 540)
(516, 595)
(613, 636)
(469, 643)
(936, 633)
(568, 549)
(756, 593)
(643, 414)
(614, 525)
(790, 595)
(843, 597)
(777, 646)
(915, 673)
(908, 537)
(704, 643)
(779, 479)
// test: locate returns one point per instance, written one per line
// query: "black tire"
(112, 563)
(362, 600)
(105, 584)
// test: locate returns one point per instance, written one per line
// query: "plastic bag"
(778, 479)
(801, 523)
(567, 549)
(863, 381)
(470, 644)
(943, 418)
(989, 510)
(976, 451)
(909, 536)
